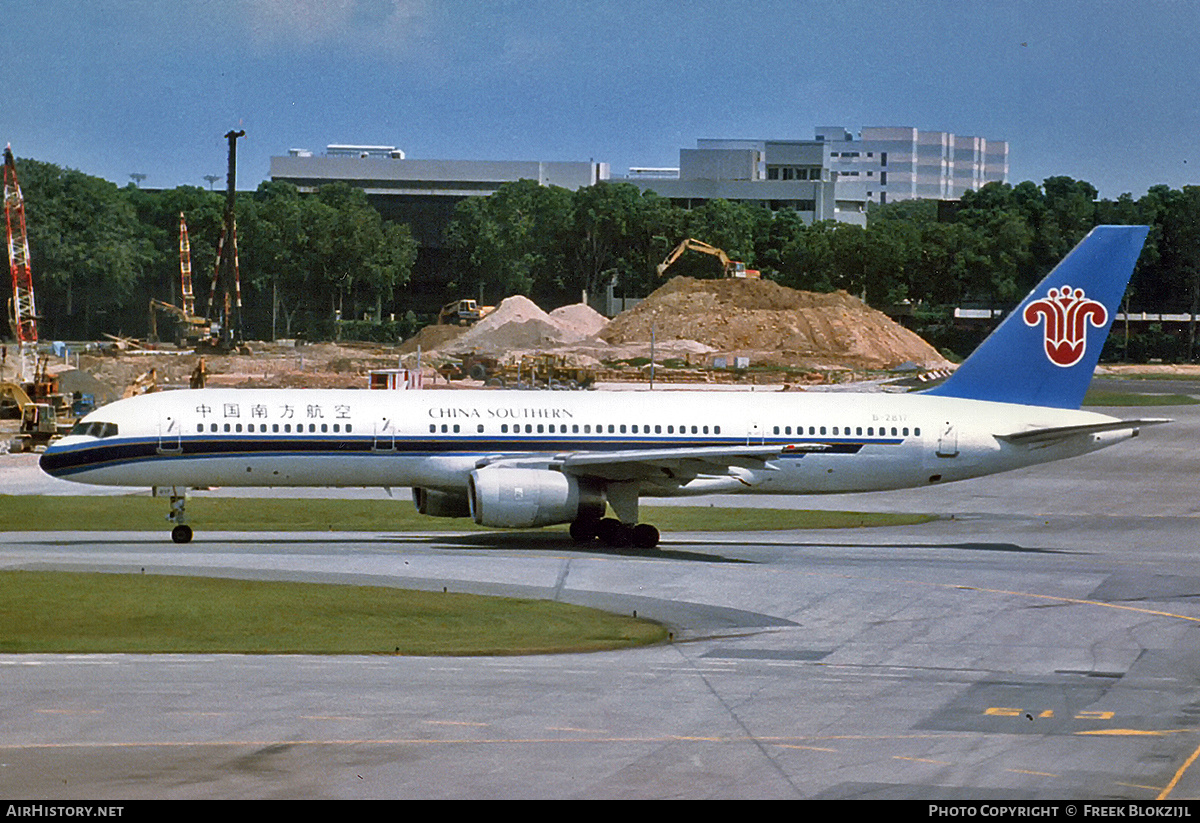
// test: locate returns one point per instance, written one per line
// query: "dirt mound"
(517, 323)
(432, 338)
(579, 318)
(773, 324)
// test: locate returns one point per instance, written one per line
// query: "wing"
(679, 465)
(1055, 433)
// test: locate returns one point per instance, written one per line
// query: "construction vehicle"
(730, 268)
(533, 371)
(225, 296)
(45, 413)
(474, 366)
(192, 330)
(463, 313)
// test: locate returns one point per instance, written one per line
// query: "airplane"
(523, 459)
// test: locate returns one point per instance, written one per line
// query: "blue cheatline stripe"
(65, 461)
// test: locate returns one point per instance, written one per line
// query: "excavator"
(731, 268)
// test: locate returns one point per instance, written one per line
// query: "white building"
(903, 163)
(835, 175)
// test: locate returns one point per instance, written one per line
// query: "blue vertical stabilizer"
(1044, 353)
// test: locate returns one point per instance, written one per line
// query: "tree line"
(99, 253)
(326, 264)
(985, 251)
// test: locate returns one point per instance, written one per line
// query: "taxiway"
(1040, 641)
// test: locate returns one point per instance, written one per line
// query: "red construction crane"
(22, 313)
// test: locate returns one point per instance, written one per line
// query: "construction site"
(737, 331)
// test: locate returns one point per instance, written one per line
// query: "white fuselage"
(845, 442)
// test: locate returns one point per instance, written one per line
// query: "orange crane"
(193, 330)
(185, 268)
(731, 268)
(22, 312)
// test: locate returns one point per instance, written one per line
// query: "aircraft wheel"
(645, 536)
(616, 534)
(182, 534)
(584, 531)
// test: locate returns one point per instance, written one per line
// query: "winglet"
(1045, 352)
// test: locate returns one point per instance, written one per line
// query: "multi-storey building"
(903, 163)
(835, 175)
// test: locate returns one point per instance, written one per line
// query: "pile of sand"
(518, 323)
(580, 318)
(772, 323)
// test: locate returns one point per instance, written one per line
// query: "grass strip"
(1113, 398)
(146, 513)
(90, 613)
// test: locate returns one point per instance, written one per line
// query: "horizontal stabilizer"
(1055, 433)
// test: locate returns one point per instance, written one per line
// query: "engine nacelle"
(522, 498)
(440, 504)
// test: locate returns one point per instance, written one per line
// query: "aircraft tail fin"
(1045, 352)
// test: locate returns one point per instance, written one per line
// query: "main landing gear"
(614, 533)
(618, 532)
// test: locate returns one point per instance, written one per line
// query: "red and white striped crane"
(23, 313)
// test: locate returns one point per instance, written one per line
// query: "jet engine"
(440, 504)
(522, 498)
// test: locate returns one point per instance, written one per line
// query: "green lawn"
(61, 612)
(1112, 398)
(146, 513)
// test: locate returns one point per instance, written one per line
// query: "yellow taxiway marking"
(1170, 787)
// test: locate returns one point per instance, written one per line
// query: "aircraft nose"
(51, 461)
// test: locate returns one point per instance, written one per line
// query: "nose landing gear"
(182, 533)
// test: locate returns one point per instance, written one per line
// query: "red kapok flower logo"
(1067, 313)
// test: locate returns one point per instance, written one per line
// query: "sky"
(1099, 90)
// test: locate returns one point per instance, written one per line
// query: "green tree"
(89, 252)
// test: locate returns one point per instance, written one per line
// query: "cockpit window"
(95, 429)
